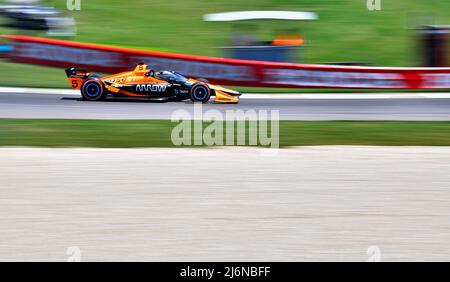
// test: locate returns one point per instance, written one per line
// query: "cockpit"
(170, 76)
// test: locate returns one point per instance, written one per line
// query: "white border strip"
(348, 96)
(19, 90)
(258, 15)
(249, 96)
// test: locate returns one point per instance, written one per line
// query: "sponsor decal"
(413, 79)
(70, 55)
(119, 80)
(201, 69)
(151, 88)
(181, 91)
(436, 80)
(313, 78)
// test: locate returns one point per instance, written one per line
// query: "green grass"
(346, 31)
(128, 134)
(24, 75)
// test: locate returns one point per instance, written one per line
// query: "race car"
(145, 83)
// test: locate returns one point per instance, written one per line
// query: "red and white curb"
(248, 96)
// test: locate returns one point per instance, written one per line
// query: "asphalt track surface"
(307, 107)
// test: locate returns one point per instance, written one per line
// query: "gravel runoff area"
(234, 204)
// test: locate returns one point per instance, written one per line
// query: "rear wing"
(77, 76)
(76, 72)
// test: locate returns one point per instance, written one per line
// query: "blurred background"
(306, 203)
(331, 31)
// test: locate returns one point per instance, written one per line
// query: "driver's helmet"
(141, 69)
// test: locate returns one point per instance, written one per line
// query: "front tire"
(93, 89)
(200, 92)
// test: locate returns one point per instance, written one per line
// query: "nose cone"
(222, 97)
(224, 90)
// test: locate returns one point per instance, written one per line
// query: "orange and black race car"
(149, 84)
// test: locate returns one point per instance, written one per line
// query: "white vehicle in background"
(29, 16)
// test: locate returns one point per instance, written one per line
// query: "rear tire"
(200, 92)
(93, 89)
